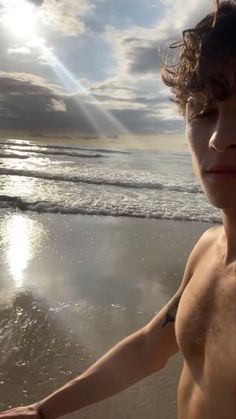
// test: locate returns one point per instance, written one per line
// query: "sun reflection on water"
(24, 238)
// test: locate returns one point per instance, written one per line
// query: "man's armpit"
(172, 311)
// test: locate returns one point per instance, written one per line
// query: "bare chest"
(206, 321)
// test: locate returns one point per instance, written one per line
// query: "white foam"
(136, 184)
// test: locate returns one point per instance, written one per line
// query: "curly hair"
(212, 40)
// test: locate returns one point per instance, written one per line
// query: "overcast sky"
(89, 66)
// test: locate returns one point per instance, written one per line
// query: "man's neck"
(229, 235)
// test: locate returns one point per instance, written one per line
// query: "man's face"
(211, 136)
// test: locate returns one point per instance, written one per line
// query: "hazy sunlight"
(20, 18)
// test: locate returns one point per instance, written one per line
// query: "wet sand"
(71, 287)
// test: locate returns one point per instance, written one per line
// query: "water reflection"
(95, 281)
(37, 354)
(23, 238)
(19, 231)
(11, 184)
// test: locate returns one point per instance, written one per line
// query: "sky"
(90, 67)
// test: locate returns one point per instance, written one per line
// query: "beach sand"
(71, 287)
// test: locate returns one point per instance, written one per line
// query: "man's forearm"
(121, 367)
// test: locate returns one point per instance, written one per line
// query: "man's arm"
(136, 357)
(131, 360)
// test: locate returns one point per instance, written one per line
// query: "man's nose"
(224, 135)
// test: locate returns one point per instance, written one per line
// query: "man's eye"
(207, 113)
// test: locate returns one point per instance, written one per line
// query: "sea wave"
(47, 153)
(30, 146)
(127, 210)
(13, 156)
(115, 178)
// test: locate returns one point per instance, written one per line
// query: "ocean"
(46, 177)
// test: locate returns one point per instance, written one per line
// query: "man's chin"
(223, 204)
(220, 198)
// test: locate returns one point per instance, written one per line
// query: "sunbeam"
(101, 119)
(21, 19)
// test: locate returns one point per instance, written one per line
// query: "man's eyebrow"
(195, 102)
(190, 99)
(201, 102)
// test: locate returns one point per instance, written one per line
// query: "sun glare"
(19, 231)
(20, 18)
(24, 238)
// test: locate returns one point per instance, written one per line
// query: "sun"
(20, 18)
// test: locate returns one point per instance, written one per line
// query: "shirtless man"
(200, 319)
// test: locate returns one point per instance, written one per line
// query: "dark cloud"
(29, 103)
(140, 121)
(144, 59)
(26, 101)
(141, 55)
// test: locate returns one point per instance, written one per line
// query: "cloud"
(181, 14)
(131, 90)
(57, 105)
(19, 50)
(136, 48)
(23, 82)
(134, 54)
(25, 96)
(138, 61)
(30, 102)
(115, 95)
(113, 88)
(66, 17)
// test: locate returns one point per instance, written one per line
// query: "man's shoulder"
(208, 238)
(203, 246)
(214, 231)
